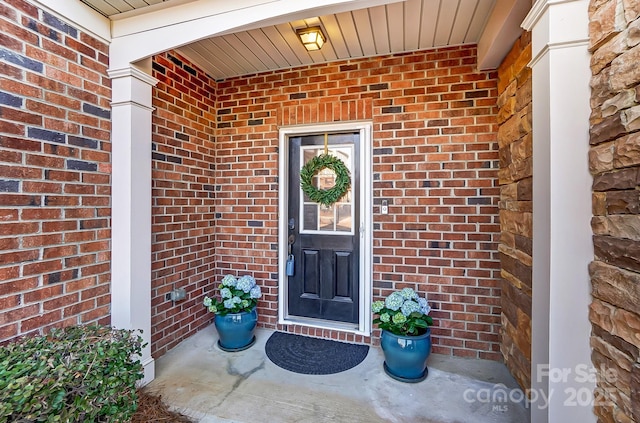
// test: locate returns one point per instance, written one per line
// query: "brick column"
(131, 203)
(562, 247)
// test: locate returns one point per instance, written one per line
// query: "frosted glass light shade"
(312, 38)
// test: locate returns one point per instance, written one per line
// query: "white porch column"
(562, 245)
(131, 206)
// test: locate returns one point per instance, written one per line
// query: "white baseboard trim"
(149, 367)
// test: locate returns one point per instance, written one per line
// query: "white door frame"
(365, 259)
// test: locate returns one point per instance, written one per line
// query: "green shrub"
(77, 374)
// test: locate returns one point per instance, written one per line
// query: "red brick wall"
(183, 192)
(54, 173)
(215, 208)
(435, 160)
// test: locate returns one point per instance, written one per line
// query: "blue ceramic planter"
(405, 357)
(236, 330)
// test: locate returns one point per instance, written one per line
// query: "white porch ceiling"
(386, 29)
(114, 7)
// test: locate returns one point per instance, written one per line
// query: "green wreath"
(325, 196)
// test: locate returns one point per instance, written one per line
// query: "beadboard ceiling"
(392, 28)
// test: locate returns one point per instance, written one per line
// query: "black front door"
(325, 240)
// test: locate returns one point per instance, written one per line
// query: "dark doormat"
(313, 356)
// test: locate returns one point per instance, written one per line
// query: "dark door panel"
(343, 273)
(311, 268)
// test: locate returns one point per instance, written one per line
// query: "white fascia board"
(179, 14)
(172, 13)
(79, 15)
(502, 30)
(312, 13)
(140, 36)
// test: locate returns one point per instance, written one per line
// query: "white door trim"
(366, 223)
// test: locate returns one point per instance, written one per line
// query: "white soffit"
(384, 27)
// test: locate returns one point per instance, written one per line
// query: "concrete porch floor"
(209, 385)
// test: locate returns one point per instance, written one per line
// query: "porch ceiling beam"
(139, 36)
(502, 30)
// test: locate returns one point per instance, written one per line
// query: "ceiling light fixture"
(312, 38)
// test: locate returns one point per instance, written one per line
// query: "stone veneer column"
(516, 214)
(131, 204)
(562, 247)
(614, 161)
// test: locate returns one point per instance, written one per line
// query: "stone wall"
(55, 173)
(515, 177)
(614, 160)
(435, 160)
